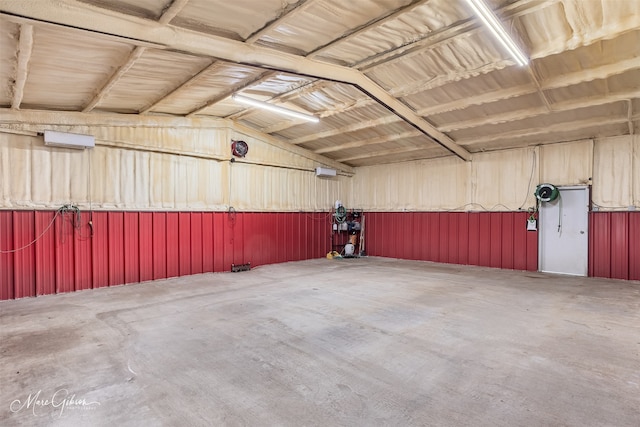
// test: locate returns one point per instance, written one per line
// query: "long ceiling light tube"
(276, 109)
(491, 21)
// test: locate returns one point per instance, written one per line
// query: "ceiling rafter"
(485, 98)
(288, 123)
(368, 26)
(435, 38)
(556, 128)
(441, 80)
(369, 141)
(264, 76)
(169, 13)
(513, 116)
(74, 13)
(285, 96)
(286, 13)
(380, 153)
(25, 47)
(133, 56)
(556, 82)
(423, 85)
(345, 129)
(172, 11)
(211, 67)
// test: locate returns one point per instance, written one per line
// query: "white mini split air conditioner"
(325, 172)
(68, 140)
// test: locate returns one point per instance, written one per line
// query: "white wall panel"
(504, 180)
(612, 174)
(569, 163)
(147, 167)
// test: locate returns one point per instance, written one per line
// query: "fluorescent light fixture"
(274, 108)
(491, 20)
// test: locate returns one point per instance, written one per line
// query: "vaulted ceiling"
(391, 80)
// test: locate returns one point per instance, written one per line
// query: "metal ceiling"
(391, 80)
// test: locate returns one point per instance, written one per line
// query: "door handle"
(581, 232)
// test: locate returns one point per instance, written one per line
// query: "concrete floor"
(358, 342)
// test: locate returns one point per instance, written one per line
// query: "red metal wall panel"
(196, 243)
(474, 239)
(496, 239)
(218, 240)
(207, 242)
(24, 260)
(159, 245)
(614, 247)
(173, 242)
(184, 243)
(634, 245)
(463, 238)
(229, 220)
(64, 253)
(507, 231)
(601, 246)
(238, 240)
(83, 255)
(100, 249)
(532, 251)
(495, 243)
(485, 239)
(619, 245)
(116, 248)
(131, 235)
(452, 237)
(145, 245)
(434, 236)
(6, 257)
(45, 253)
(520, 241)
(127, 247)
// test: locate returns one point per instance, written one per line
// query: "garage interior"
(481, 200)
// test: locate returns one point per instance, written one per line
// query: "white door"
(564, 234)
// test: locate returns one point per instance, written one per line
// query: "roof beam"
(288, 123)
(182, 86)
(418, 86)
(518, 8)
(265, 75)
(527, 113)
(73, 13)
(380, 153)
(601, 72)
(172, 11)
(300, 6)
(372, 24)
(555, 82)
(135, 54)
(370, 141)
(485, 98)
(345, 129)
(557, 128)
(305, 88)
(25, 46)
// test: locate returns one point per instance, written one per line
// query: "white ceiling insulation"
(391, 80)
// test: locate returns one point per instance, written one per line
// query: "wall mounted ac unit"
(325, 172)
(68, 140)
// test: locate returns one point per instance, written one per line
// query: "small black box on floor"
(240, 267)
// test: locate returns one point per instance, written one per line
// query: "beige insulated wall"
(157, 167)
(504, 180)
